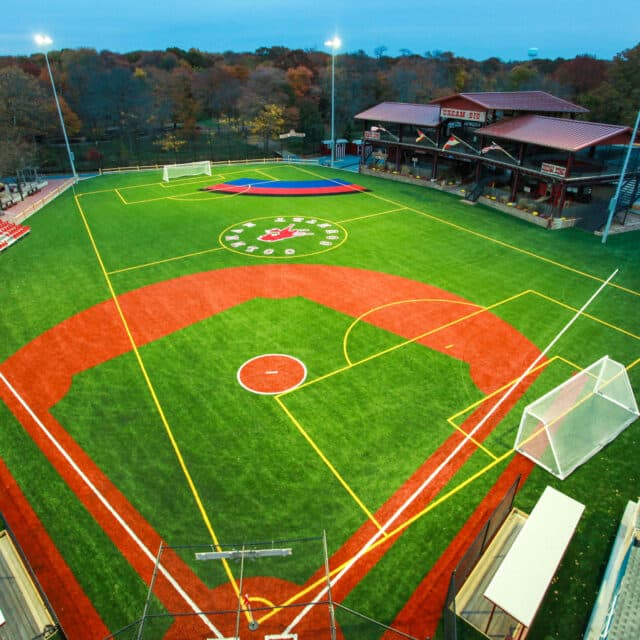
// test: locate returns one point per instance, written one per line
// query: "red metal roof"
(516, 101)
(423, 115)
(557, 133)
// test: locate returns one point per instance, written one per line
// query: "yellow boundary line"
(394, 532)
(586, 315)
(156, 262)
(399, 207)
(155, 398)
(501, 243)
(351, 365)
(372, 215)
(327, 462)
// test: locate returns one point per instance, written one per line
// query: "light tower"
(44, 42)
(334, 44)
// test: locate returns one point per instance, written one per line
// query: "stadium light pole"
(44, 41)
(334, 44)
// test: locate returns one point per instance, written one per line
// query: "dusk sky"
(469, 28)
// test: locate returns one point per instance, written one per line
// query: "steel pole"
(614, 201)
(333, 105)
(64, 129)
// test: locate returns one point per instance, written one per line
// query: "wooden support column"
(514, 185)
(563, 186)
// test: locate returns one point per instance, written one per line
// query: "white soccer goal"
(570, 424)
(172, 171)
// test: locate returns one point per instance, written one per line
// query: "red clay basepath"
(42, 371)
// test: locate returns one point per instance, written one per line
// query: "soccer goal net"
(172, 171)
(570, 424)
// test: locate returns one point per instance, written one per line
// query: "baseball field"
(186, 371)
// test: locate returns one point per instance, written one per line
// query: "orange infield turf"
(41, 374)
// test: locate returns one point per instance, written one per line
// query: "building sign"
(463, 114)
(553, 169)
(372, 135)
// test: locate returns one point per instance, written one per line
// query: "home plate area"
(271, 374)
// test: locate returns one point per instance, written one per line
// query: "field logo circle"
(283, 237)
(272, 373)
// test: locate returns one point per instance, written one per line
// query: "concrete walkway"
(27, 207)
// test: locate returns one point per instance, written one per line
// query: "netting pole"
(332, 613)
(240, 594)
(149, 593)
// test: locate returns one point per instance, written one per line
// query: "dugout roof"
(557, 133)
(423, 115)
(521, 581)
(538, 101)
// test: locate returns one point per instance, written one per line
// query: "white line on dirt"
(111, 509)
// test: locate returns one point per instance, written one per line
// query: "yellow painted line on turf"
(120, 196)
(573, 365)
(497, 391)
(327, 462)
(92, 193)
(156, 262)
(345, 339)
(501, 243)
(586, 315)
(471, 439)
(633, 364)
(373, 356)
(372, 215)
(155, 399)
(395, 532)
(531, 254)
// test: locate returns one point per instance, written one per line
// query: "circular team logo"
(283, 236)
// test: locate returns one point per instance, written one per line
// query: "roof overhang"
(421, 115)
(557, 133)
(521, 581)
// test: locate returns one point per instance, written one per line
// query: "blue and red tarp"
(262, 187)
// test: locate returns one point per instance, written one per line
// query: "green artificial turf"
(375, 422)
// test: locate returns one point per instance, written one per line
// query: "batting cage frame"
(239, 607)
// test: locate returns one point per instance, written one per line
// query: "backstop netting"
(172, 171)
(567, 426)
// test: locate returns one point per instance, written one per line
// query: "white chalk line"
(111, 509)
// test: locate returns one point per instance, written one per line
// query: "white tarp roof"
(522, 579)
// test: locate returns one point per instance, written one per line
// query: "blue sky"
(469, 28)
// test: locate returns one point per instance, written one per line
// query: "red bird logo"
(276, 234)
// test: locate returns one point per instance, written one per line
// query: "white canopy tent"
(521, 581)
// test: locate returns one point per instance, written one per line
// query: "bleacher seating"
(11, 232)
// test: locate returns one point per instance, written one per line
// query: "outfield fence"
(218, 163)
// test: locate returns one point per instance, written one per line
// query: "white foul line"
(428, 481)
(111, 509)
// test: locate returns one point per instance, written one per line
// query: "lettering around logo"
(283, 237)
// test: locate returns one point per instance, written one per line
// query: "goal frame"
(185, 169)
(554, 425)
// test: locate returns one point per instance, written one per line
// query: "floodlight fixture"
(42, 40)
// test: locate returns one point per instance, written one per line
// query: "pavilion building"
(525, 149)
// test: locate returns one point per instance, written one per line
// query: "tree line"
(176, 104)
